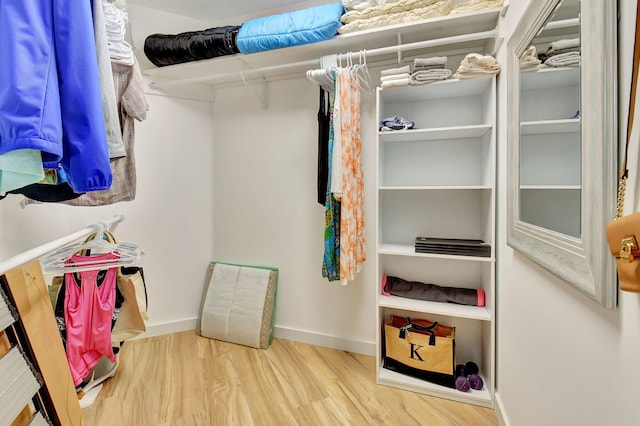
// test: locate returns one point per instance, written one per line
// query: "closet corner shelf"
(409, 250)
(481, 397)
(238, 69)
(481, 313)
(440, 133)
(542, 127)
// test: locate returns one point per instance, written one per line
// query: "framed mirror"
(562, 141)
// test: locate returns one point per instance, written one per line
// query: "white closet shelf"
(551, 187)
(545, 78)
(572, 23)
(477, 397)
(451, 88)
(476, 30)
(556, 30)
(456, 132)
(481, 313)
(541, 127)
(409, 250)
(432, 188)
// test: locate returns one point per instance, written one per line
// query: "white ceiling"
(226, 10)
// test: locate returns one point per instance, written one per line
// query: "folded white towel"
(531, 51)
(394, 77)
(473, 73)
(475, 64)
(563, 59)
(564, 44)
(395, 83)
(425, 62)
(428, 67)
(398, 70)
(423, 77)
(559, 51)
(530, 66)
(358, 4)
(476, 60)
(529, 60)
(476, 5)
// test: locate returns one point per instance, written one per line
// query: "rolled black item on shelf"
(167, 49)
(416, 290)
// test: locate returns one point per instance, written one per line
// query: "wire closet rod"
(311, 62)
(38, 252)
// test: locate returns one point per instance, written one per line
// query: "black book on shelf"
(475, 253)
(450, 247)
(456, 242)
(454, 246)
(461, 249)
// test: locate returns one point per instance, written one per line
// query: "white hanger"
(323, 78)
(362, 72)
(58, 262)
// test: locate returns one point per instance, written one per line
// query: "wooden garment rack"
(36, 333)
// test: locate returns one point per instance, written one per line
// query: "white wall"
(265, 210)
(170, 219)
(562, 359)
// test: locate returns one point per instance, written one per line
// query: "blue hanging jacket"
(49, 88)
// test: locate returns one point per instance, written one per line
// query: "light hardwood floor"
(184, 379)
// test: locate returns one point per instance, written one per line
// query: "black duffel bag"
(167, 49)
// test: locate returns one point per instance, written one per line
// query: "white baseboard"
(313, 338)
(169, 327)
(304, 336)
(500, 411)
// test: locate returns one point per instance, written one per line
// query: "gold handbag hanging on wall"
(623, 233)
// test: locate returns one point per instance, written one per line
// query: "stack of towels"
(425, 70)
(529, 60)
(562, 53)
(476, 65)
(395, 77)
(428, 70)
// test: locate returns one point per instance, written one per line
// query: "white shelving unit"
(438, 180)
(550, 172)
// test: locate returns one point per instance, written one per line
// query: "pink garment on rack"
(352, 233)
(88, 312)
